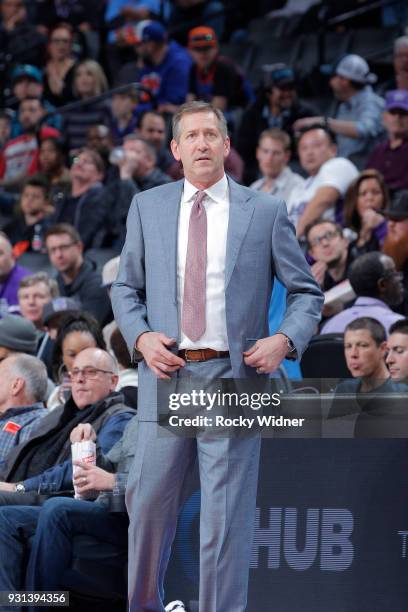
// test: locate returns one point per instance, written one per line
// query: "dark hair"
(351, 217)
(94, 155)
(365, 272)
(63, 228)
(57, 143)
(320, 221)
(155, 113)
(317, 126)
(120, 349)
(376, 329)
(40, 181)
(75, 322)
(399, 327)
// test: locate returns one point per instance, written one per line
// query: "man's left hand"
(92, 478)
(267, 354)
(7, 486)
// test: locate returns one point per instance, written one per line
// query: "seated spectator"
(99, 139)
(214, 78)
(5, 126)
(330, 252)
(399, 80)
(273, 155)
(365, 199)
(124, 114)
(390, 157)
(152, 127)
(276, 106)
(89, 81)
(328, 179)
(165, 68)
(77, 332)
(77, 277)
(43, 463)
(10, 275)
(55, 311)
(396, 241)
(85, 207)
(23, 390)
(19, 39)
(33, 293)
(377, 286)
(210, 13)
(59, 69)
(19, 156)
(55, 524)
(397, 350)
(27, 82)
(128, 374)
(357, 122)
(26, 229)
(52, 165)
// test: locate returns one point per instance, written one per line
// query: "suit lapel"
(240, 215)
(168, 224)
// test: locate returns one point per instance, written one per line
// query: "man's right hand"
(319, 269)
(153, 346)
(83, 432)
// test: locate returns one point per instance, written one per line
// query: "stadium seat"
(272, 51)
(324, 358)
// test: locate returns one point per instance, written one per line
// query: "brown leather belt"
(201, 354)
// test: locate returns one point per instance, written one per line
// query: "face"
(326, 243)
(64, 253)
(272, 157)
(370, 196)
(30, 113)
(397, 358)
(49, 156)
(204, 57)
(32, 300)
(33, 201)
(60, 44)
(396, 123)
(85, 390)
(401, 60)
(314, 150)
(153, 129)
(392, 289)
(340, 86)
(147, 50)
(99, 139)
(27, 87)
(73, 344)
(201, 149)
(84, 170)
(136, 151)
(85, 82)
(10, 8)
(5, 129)
(122, 105)
(399, 229)
(363, 356)
(6, 257)
(283, 97)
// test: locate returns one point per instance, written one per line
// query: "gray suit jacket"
(261, 245)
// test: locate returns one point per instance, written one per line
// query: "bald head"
(94, 376)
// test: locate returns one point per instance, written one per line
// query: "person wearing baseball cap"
(357, 122)
(390, 157)
(165, 67)
(214, 78)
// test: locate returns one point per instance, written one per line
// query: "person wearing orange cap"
(214, 78)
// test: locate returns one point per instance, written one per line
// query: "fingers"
(84, 466)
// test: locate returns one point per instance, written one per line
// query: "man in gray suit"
(192, 296)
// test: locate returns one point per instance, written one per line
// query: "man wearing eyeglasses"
(77, 277)
(43, 463)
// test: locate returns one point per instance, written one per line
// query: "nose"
(390, 358)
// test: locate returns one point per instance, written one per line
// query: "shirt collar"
(370, 301)
(217, 192)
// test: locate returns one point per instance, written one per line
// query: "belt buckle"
(187, 358)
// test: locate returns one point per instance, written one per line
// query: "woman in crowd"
(366, 197)
(89, 81)
(77, 332)
(59, 70)
(53, 166)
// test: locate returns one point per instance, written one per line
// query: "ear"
(383, 347)
(81, 246)
(227, 147)
(17, 386)
(175, 150)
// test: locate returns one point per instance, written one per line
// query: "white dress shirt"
(216, 204)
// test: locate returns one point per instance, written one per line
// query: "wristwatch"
(291, 354)
(20, 488)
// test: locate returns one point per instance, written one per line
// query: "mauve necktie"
(193, 315)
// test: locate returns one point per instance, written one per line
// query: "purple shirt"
(9, 287)
(362, 307)
(392, 163)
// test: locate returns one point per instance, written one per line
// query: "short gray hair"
(40, 277)
(150, 151)
(400, 42)
(34, 373)
(190, 108)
